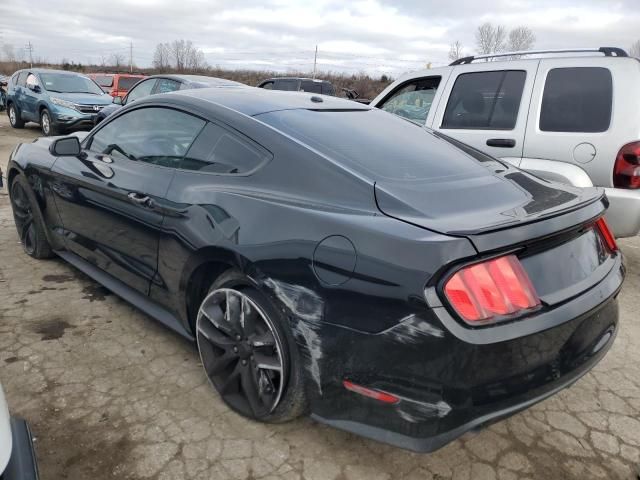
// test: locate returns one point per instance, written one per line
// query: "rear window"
(104, 80)
(485, 100)
(577, 99)
(311, 86)
(374, 143)
(287, 85)
(125, 83)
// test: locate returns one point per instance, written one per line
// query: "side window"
(267, 85)
(413, 100)
(32, 80)
(485, 100)
(14, 79)
(165, 86)
(22, 79)
(160, 136)
(104, 80)
(327, 89)
(142, 90)
(310, 86)
(577, 99)
(289, 85)
(217, 150)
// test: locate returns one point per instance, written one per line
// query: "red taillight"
(606, 234)
(626, 171)
(379, 395)
(484, 291)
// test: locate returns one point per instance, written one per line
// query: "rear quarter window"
(577, 99)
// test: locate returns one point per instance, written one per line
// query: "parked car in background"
(17, 457)
(568, 115)
(164, 84)
(405, 287)
(116, 84)
(58, 100)
(4, 80)
(297, 84)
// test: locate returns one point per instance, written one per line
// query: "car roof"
(51, 70)
(254, 101)
(197, 79)
(295, 78)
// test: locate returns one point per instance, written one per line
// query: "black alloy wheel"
(242, 352)
(23, 216)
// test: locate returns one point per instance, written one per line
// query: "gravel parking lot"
(111, 394)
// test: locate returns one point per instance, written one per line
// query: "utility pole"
(130, 57)
(315, 60)
(29, 48)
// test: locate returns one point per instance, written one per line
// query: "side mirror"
(117, 100)
(65, 147)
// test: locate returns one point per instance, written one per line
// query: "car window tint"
(160, 136)
(577, 99)
(485, 100)
(217, 150)
(267, 86)
(310, 86)
(165, 86)
(374, 143)
(413, 100)
(287, 85)
(141, 90)
(22, 79)
(125, 83)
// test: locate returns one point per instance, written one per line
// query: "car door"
(485, 105)
(414, 99)
(110, 198)
(32, 94)
(572, 118)
(20, 87)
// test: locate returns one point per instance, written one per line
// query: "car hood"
(469, 205)
(84, 98)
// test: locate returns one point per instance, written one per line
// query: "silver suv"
(566, 115)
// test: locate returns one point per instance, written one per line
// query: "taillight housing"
(626, 170)
(606, 234)
(490, 291)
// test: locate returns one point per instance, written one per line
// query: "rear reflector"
(483, 292)
(626, 170)
(606, 234)
(383, 397)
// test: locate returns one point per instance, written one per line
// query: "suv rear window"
(104, 80)
(485, 100)
(577, 99)
(125, 83)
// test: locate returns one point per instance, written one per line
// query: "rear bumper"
(22, 464)
(623, 214)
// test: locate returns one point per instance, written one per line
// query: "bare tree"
(490, 39)
(117, 60)
(521, 38)
(634, 51)
(455, 52)
(186, 56)
(161, 57)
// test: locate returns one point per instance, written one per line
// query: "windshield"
(69, 83)
(375, 143)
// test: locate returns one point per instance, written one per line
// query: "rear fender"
(557, 171)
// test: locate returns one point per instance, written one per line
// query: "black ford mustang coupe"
(330, 258)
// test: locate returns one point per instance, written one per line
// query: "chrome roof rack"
(607, 51)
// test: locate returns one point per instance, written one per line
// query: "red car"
(116, 84)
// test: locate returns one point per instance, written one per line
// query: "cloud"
(381, 36)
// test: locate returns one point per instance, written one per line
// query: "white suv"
(566, 115)
(17, 458)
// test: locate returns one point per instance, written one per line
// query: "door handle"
(501, 142)
(140, 199)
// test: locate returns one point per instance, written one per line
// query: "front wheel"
(28, 220)
(14, 117)
(248, 354)
(46, 124)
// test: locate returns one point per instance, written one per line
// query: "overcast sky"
(378, 36)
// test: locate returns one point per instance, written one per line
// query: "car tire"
(46, 124)
(14, 117)
(261, 343)
(28, 220)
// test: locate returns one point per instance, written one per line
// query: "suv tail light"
(483, 292)
(626, 170)
(607, 236)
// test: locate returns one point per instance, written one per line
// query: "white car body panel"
(5, 433)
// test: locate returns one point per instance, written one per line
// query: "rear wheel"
(248, 354)
(28, 220)
(14, 117)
